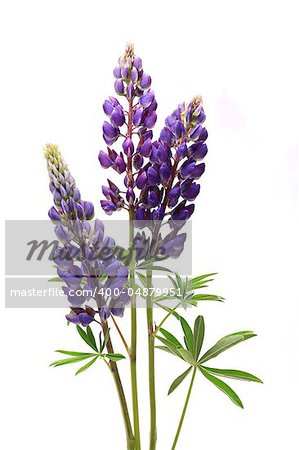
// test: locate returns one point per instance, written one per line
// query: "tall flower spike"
(84, 257)
(132, 122)
(174, 163)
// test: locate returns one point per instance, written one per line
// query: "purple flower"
(110, 133)
(108, 206)
(182, 212)
(141, 180)
(128, 146)
(119, 163)
(189, 190)
(146, 99)
(150, 120)
(119, 87)
(117, 116)
(145, 81)
(105, 160)
(164, 170)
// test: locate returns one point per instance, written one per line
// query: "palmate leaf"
(179, 380)
(223, 387)
(234, 374)
(225, 343)
(86, 338)
(86, 366)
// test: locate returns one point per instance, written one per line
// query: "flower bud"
(146, 99)
(119, 87)
(150, 120)
(104, 159)
(145, 81)
(128, 146)
(141, 180)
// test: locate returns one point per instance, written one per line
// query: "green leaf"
(114, 356)
(198, 336)
(173, 282)
(152, 268)
(187, 356)
(179, 282)
(162, 347)
(85, 338)
(200, 282)
(62, 362)
(106, 337)
(142, 278)
(56, 279)
(207, 298)
(187, 333)
(91, 337)
(223, 387)
(70, 353)
(170, 337)
(161, 298)
(83, 368)
(172, 348)
(202, 277)
(225, 343)
(178, 380)
(235, 374)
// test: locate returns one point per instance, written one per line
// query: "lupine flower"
(85, 260)
(66, 195)
(166, 169)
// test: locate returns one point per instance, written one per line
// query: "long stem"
(184, 410)
(165, 318)
(121, 336)
(120, 391)
(133, 349)
(151, 363)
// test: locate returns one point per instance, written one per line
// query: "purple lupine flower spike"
(78, 257)
(67, 197)
(130, 118)
(160, 176)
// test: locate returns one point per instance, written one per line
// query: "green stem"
(165, 318)
(119, 387)
(151, 363)
(184, 410)
(133, 350)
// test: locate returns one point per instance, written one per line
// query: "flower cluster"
(85, 258)
(132, 124)
(165, 171)
(66, 195)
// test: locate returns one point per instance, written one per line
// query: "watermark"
(47, 265)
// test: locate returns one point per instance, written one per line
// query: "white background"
(57, 60)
